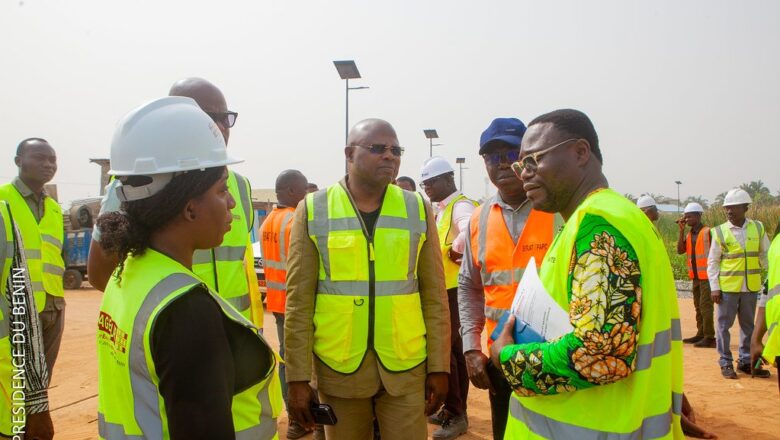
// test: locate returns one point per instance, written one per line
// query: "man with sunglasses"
(222, 268)
(452, 220)
(366, 299)
(615, 375)
(503, 234)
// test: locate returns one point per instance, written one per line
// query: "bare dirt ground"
(733, 409)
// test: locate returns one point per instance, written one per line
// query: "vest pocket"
(343, 255)
(333, 328)
(408, 327)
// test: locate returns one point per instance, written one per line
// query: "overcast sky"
(677, 90)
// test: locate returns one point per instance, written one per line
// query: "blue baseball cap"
(508, 130)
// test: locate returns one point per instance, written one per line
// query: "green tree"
(755, 189)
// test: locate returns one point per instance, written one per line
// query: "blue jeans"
(280, 332)
(733, 305)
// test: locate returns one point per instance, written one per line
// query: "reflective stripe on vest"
(740, 266)
(447, 234)
(129, 403)
(700, 254)
(42, 243)
(274, 241)
(501, 262)
(772, 346)
(222, 268)
(357, 275)
(651, 395)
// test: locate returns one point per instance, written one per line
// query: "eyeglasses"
(228, 119)
(432, 181)
(504, 156)
(380, 149)
(531, 161)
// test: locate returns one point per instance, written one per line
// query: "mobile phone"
(323, 414)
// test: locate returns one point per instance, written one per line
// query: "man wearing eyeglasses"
(366, 298)
(616, 375)
(504, 234)
(222, 268)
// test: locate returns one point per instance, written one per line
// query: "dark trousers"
(499, 402)
(702, 302)
(459, 378)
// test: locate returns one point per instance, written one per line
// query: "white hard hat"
(693, 207)
(645, 202)
(737, 196)
(435, 166)
(163, 137)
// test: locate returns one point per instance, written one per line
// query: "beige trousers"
(400, 417)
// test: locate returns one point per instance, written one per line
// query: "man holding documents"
(504, 234)
(619, 372)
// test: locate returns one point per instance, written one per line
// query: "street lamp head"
(347, 69)
(431, 134)
(678, 182)
(460, 160)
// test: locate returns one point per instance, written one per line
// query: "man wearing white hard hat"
(696, 244)
(648, 205)
(175, 359)
(738, 255)
(453, 210)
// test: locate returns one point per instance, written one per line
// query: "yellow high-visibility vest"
(368, 293)
(42, 243)
(739, 266)
(223, 268)
(129, 401)
(772, 347)
(446, 236)
(646, 404)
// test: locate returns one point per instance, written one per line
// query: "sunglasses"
(432, 181)
(531, 161)
(505, 156)
(227, 119)
(380, 149)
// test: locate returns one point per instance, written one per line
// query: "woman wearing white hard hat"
(174, 359)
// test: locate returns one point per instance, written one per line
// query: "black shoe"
(758, 372)
(706, 343)
(728, 372)
(693, 339)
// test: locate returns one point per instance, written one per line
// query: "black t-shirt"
(203, 359)
(370, 218)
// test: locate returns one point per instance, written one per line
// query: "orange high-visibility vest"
(501, 262)
(701, 253)
(275, 242)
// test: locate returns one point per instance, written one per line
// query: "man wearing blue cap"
(504, 233)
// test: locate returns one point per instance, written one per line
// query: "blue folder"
(523, 333)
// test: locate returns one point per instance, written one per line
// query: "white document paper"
(535, 306)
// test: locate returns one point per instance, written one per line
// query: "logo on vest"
(110, 335)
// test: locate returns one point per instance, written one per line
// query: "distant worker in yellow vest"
(649, 206)
(366, 299)
(175, 359)
(274, 244)
(39, 218)
(504, 233)
(615, 374)
(453, 211)
(224, 268)
(738, 255)
(24, 404)
(768, 316)
(696, 246)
